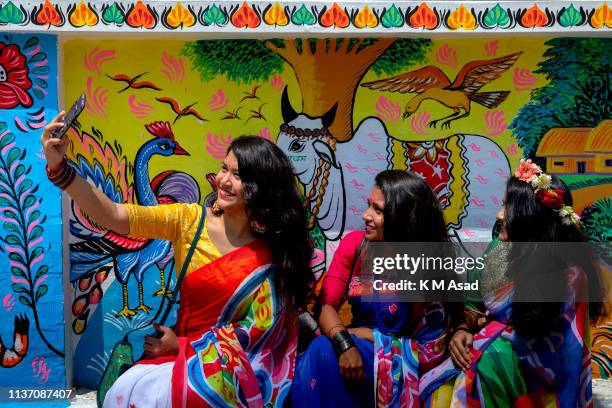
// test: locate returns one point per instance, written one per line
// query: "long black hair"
(412, 213)
(535, 267)
(273, 202)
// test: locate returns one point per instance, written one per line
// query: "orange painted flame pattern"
(276, 16)
(83, 15)
(335, 17)
(534, 17)
(424, 17)
(180, 16)
(140, 16)
(602, 17)
(245, 16)
(49, 15)
(461, 18)
(366, 18)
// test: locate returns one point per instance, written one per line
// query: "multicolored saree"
(237, 337)
(247, 358)
(509, 370)
(399, 361)
(409, 339)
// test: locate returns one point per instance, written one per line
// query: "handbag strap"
(179, 281)
(194, 244)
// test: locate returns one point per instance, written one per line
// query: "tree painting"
(579, 92)
(23, 224)
(316, 64)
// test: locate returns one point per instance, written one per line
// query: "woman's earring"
(257, 227)
(216, 210)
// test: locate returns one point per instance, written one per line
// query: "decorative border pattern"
(296, 17)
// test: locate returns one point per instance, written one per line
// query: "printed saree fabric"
(400, 360)
(510, 370)
(247, 358)
(409, 339)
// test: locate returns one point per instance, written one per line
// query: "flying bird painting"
(431, 82)
(252, 94)
(180, 112)
(232, 114)
(257, 114)
(133, 82)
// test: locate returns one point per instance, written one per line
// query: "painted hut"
(578, 150)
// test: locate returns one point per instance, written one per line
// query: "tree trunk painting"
(323, 83)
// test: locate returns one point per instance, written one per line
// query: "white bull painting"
(467, 172)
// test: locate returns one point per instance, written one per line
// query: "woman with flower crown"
(525, 343)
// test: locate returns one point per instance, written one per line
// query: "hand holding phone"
(70, 117)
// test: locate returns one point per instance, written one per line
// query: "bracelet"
(329, 332)
(342, 342)
(67, 178)
(55, 173)
(63, 176)
(462, 329)
(51, 174)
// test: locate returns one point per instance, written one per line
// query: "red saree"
(237, 339)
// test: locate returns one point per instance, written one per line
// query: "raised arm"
(102, 210)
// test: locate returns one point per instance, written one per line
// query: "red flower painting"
(14, 81)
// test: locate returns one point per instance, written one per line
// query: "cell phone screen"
(71, 116)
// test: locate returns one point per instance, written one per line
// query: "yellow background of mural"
(119, 123)
(136, 57)
(121, 116)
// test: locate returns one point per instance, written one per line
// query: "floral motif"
(543, 181)
(527, 169)
(428, 149)
(533, 175)
(424, 17)
(550, 198)
(14, 81)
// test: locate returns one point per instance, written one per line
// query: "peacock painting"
(95, 251)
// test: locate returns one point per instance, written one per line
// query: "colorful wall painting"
(315, 16)
(31, 285)
(448, 109)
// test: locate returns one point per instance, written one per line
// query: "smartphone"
(70, 117)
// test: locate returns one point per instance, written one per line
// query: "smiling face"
(230, 194)
(374, 215)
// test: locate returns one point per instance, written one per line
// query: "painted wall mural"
(456, 111)
(32, 318)
(379, 16)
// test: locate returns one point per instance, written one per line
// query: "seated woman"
(526, 351)
(387, 345)
(236, 334)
